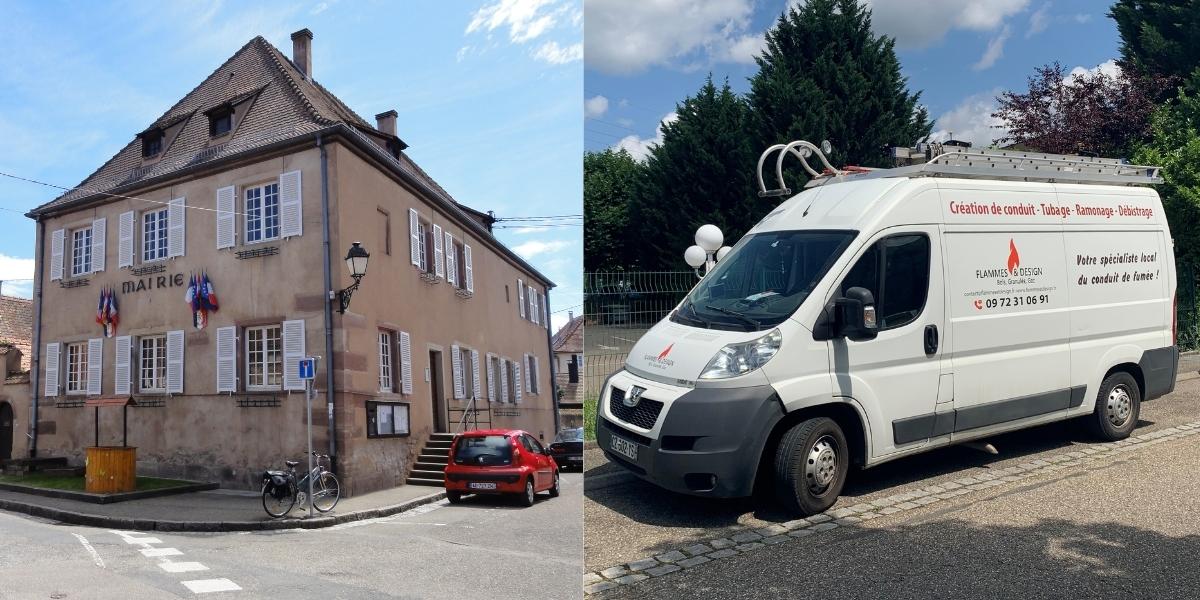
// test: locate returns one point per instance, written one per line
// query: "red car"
(500, 461)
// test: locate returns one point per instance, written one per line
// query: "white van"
(883, 313)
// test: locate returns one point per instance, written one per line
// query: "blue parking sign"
(308, 366)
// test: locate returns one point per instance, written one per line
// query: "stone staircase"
(431, 463)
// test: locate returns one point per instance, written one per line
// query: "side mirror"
(855, 315)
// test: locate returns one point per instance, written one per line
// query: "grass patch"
(589, 419)
(76, 484)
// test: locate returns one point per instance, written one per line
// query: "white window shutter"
(175, 362)
(226, 218)
(56, 254)
(451, 261)
(226, 359)
(293, 351)
(503, 381)
(521, 297)
(125, 240)
(537, 312)
(414, 237)
(121, 372)
(99, 233)
(95, 358)
(176, 219)
(457, 367)
(475, 372)
(469, 268)
(406, 382)
(517, 381)
(53, 352)
(528, 373)
(491, 376)
(438, 252)
(291, 205)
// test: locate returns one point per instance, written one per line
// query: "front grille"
(644, 415)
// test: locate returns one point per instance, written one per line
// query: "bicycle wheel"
(277, 504)
(326, 492)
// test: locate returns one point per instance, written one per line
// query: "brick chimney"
(302, 51)
(386, 122)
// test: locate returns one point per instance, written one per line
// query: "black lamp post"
(356, 262)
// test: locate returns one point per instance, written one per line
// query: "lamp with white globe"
(707, 251)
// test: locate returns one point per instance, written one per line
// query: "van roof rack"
(941, 160)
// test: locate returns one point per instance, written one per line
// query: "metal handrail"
(784, 150)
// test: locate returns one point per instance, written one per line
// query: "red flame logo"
(666, 352)
(1014, 259)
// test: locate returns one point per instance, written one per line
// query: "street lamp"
(707, 251)
(356, 262)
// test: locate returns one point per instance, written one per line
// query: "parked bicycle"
(281, 491)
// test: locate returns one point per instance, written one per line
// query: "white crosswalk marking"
(181, 567)
(205, 586)
(87, 546)
(156, 552)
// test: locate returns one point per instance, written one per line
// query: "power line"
(111, 195)
(539, 218)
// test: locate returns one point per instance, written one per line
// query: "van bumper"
(709, 444)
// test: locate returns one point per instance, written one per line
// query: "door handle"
(931, 340)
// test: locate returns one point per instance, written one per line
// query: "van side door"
(895, 376)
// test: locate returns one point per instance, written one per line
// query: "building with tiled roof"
(567, 344)
(16, 326)
(258, 182)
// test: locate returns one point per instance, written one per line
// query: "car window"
(895, 270)
(483, 450)
(533, 445)
(569, 435)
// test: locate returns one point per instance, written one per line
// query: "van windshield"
(763, 280)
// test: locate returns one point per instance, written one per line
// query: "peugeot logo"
(633, 396)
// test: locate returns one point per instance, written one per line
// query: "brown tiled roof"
(17, 378)
(570, 337)
(16, 325)
(572, 392)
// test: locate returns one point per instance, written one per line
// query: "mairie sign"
(175, 280)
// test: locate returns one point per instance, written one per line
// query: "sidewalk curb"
(135, 524)
(108, 498)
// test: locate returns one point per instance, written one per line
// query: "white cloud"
(971, 120)
(528, 230)
(17, 275)
(995, 49)
(532, 248)
(595, 107)
(319, 8)
(926, 22)
(524, 19)
(1039, 20)
(629, 36)
(1108, 67)
(552, 53)
(639, 147)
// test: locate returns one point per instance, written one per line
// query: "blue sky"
(488, 95)
(643, 56)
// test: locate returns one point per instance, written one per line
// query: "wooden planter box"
(111, 469)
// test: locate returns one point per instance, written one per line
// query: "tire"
(454, 497)
(276, 507)
(554, 489)
(811, 463)
(326, 492)
(526, 499)
(1118, 405)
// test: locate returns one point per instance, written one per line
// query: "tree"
(1158, 39)
(608, 185)
(1082, 113)
(824, 75)
(702, 172)
(1175, 146)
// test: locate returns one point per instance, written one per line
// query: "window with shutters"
(531, 363)
(386, 381)
(264, 358)
(154, 235)
(77, 368)
(81, 251)
(493, 378)
(513, 379)
(152, 363)
(469, 390)
(262, 213)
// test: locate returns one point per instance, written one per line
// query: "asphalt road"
(484, 547)
(1071, 535)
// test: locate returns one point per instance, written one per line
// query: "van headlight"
(739, 359)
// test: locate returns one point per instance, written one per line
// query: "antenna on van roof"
(802, 150)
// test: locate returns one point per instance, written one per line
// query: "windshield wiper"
(734, 313)
(696, 316)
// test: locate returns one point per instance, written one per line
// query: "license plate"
(481, 485)
(623, 447)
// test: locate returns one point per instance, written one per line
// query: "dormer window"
(152, 143)
(220, 121)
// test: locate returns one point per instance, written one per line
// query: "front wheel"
(277, 500)
(1118, 405)
(326, 492)
(811, 463)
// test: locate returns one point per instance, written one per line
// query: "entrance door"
(6, 430)
(438, 391)
(895, 377)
